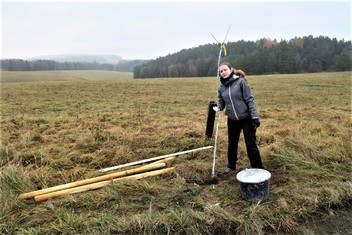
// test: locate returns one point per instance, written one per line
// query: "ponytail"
(240, 73)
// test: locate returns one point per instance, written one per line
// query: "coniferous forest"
(265, 56)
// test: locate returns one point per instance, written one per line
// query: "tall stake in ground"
(222, 46)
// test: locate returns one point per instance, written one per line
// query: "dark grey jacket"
(236, 96)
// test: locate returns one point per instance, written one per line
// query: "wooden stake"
(93, 180)
(152, 159)
(164, 160)
(83, 188)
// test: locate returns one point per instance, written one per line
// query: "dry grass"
(59, 132)
(62, 75)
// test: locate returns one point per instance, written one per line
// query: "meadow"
(62, 75)
(60, 130)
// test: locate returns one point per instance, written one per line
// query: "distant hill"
(99, 58)
(71, 62)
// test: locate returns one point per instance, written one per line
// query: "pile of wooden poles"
(152, 169)
(97, 182)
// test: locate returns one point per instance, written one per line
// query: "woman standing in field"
(236, 96)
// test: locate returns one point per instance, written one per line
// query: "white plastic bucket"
(254, 184)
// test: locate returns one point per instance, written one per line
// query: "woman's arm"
(249, 99)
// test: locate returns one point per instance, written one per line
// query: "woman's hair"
(240, 73)
(227, 64)
(237, 72)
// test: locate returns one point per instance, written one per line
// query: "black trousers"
(234, 129)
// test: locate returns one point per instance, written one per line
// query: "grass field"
(55, 132)
(62, 75)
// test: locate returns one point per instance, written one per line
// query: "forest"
(40, 64)
(265, 56)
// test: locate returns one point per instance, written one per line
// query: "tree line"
(264, 56)
(36, 65)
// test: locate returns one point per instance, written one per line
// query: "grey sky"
(147, 30)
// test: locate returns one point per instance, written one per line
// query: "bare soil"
(336, 222)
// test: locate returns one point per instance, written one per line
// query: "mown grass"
(62, 131)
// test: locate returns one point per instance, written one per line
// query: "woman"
(236, 96)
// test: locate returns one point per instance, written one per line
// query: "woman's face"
(224, 71)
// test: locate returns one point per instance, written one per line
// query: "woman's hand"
(256, 123)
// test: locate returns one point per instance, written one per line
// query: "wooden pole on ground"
(152, 159)
(164, 160)
(93, 180)
(87, 187)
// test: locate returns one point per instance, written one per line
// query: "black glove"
(256, 123)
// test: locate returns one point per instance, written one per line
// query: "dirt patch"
(337, 222)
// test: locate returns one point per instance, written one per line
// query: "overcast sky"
(150, 29)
